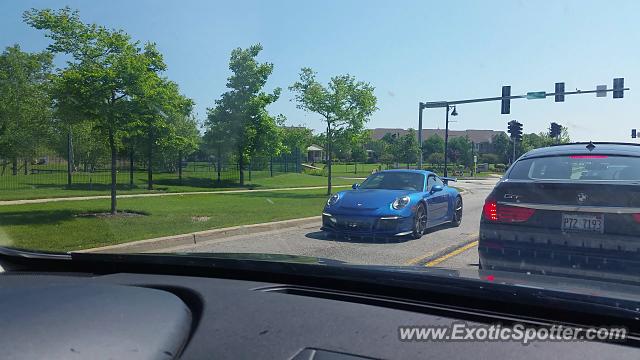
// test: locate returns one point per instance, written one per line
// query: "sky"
(410, 51)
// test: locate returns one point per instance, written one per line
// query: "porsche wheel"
(419, 222)
(457, 212)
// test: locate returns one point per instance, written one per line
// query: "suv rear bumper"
(520, 248)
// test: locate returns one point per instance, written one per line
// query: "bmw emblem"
(582, 197)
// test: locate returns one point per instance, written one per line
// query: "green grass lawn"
(39, 186)
(57, 226)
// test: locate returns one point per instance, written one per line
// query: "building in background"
(315, 153)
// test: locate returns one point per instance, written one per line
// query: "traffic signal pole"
(420, 108)
(446, 142)
(559, 94)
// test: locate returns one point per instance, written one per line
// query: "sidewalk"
(126, 196)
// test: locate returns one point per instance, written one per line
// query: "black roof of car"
(608, 148)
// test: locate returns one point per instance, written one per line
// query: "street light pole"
(420, 108)
(446, 142)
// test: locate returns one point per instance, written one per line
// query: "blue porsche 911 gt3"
(393, 203)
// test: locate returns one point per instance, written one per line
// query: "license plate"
(588, 223)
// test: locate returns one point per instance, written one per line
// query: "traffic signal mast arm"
(618, 93)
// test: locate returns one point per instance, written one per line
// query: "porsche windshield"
(394, 181)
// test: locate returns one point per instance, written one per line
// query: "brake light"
(588, 156)
(493, 211)
(490, 210)
(636, 217)
(514, 213)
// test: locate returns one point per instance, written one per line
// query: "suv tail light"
(495, 212)
(636, 217)
(490, 209)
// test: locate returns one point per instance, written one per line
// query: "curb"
(157, 244)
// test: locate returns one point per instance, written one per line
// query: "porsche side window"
(439, 181)
(431, 180)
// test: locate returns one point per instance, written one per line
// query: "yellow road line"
(417, 259)
(451, 254)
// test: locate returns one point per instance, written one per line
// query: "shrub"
(489, 158)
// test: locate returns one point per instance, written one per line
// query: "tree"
(241, 112)
(89, 149)
(344, 104)
(296, 139)
(379, 149)
(502, 146)
(461, 150)
(106, 69)
(215, 139)
(25, 115)
(433, 144)
(436, 158)
(162, 120)
(393, 153)
(408, 148)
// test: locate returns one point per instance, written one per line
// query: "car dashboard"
(159, 316)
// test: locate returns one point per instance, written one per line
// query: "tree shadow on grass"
(283, 195)
(87, 187)
(48, 217)
(207, 183)
(36, 217)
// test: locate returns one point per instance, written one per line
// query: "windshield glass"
(578, 167)
(135, 126)
(394, 181)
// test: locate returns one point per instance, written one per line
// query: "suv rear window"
(578, 167)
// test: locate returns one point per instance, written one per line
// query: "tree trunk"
(328, 159)
(241, 168)
(14, 166)
(112, 146)
(131, 167)
(180, 167)
(219, 162)
(150, 161)
(26, 168)
(70, 157)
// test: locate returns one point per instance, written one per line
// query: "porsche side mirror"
(436, 188)
(355, 186)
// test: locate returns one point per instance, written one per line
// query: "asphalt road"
(443, 246)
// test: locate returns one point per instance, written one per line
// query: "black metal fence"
(48, 170)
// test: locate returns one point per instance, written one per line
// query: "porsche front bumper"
(350, 225)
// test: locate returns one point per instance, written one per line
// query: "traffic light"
(511, 127)
(559, 92)
(618, 86)
(506, 103)
(518, 131)
(515, 130)
(634, 133)
(556, 130)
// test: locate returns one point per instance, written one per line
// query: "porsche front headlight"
(333, 199)
(400, 202)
